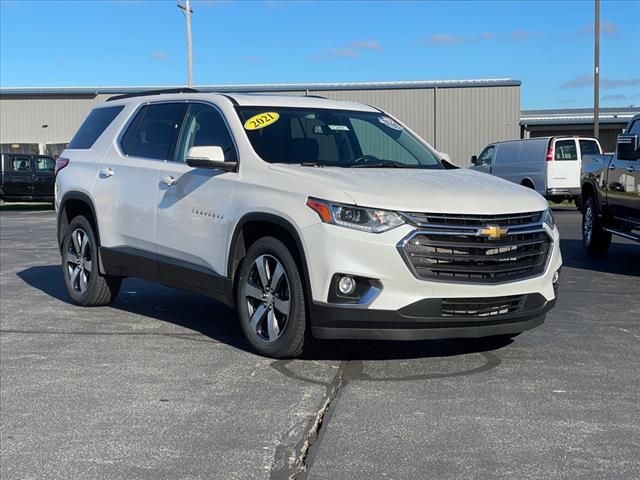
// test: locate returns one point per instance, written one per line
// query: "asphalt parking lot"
(162, 386)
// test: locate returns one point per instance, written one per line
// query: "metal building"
(456, 117)
(577, 121)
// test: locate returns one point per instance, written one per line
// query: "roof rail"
(153, 92)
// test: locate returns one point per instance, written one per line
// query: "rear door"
(623, 187)
(17, 176)
(563, 171)
(43, 176)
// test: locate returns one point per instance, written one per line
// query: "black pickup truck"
(26, 177)
(611, 192)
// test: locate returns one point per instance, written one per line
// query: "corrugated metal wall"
(458, 121)
(22, 117)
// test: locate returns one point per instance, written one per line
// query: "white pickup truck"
(314, 218)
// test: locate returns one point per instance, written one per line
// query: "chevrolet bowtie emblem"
(494, 232)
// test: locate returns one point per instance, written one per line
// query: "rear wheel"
(270, 300)
(82, 278)
(594, 238)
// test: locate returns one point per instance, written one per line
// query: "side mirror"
(474, 159)
(209, 157)
(628, 147)
(445, 157)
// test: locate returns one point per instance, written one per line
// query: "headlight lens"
(547, 217)
(349, 216)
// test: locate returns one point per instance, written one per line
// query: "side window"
(21, 165)
(589, 147)
(635, 127)
(93, 126)
(486, 157)
(376, 142)
(153, 131)
(566, 150)
(44, 164)
(204, 126)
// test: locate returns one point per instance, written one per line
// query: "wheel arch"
(76, 203)
(589, 190)
(253, 226)
(528, 182)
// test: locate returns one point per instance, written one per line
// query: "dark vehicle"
(611, 192)
(27, 177)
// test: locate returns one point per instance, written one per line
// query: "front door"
(193, 221)
(485, 160)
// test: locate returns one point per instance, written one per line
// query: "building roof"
(573, 116)
(264, 87)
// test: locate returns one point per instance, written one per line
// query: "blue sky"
(548, 45)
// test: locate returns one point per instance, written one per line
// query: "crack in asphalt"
(293, 460)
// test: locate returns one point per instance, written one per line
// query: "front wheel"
(270, 300)
(594, 238)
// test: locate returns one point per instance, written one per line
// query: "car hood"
(436, 191)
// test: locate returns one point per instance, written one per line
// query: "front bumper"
(408, 307)
(422, 320)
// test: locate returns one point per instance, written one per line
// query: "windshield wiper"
(382, 165)
(312, 164)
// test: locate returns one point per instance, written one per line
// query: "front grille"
(460, 253)
(481, 307)
(444, 219)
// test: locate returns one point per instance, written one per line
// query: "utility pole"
(186, 10)
(596, 73)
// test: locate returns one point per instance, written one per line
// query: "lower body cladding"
(398, 305)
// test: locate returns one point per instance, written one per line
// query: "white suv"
(314, 218)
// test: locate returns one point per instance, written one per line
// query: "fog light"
(346, 285)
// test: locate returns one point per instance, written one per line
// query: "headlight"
(364, 219)
(547, 217)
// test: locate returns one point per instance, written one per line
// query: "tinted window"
(153, 131)
(589, 147)
(93, 126)
(566, 150)
(205, 127)
(44, 164)
(635, 127)
(21, 165)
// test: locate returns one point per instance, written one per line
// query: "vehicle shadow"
(218, 322)
(622, 258)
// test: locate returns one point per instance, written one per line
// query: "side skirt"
(132, 262)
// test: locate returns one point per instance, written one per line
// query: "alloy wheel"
(587, 225)
(79, 261)
(268, 298)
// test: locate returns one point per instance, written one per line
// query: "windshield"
(333, 138)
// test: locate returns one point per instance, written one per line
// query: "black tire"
(594, 238)
(87, 286)
(293, 333)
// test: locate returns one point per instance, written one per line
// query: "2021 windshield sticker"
(390, 123)
(261, 120)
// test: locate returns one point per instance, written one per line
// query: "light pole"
(186, 10)
(596, 73)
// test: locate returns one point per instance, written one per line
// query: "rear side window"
(93, 126)
(589, 147)
(44, 164)
(153, 131)
(566, 150)
(21, 165)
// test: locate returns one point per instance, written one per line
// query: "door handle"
(612, 167)
(169, 181)
(631, 169)
(106, 172)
